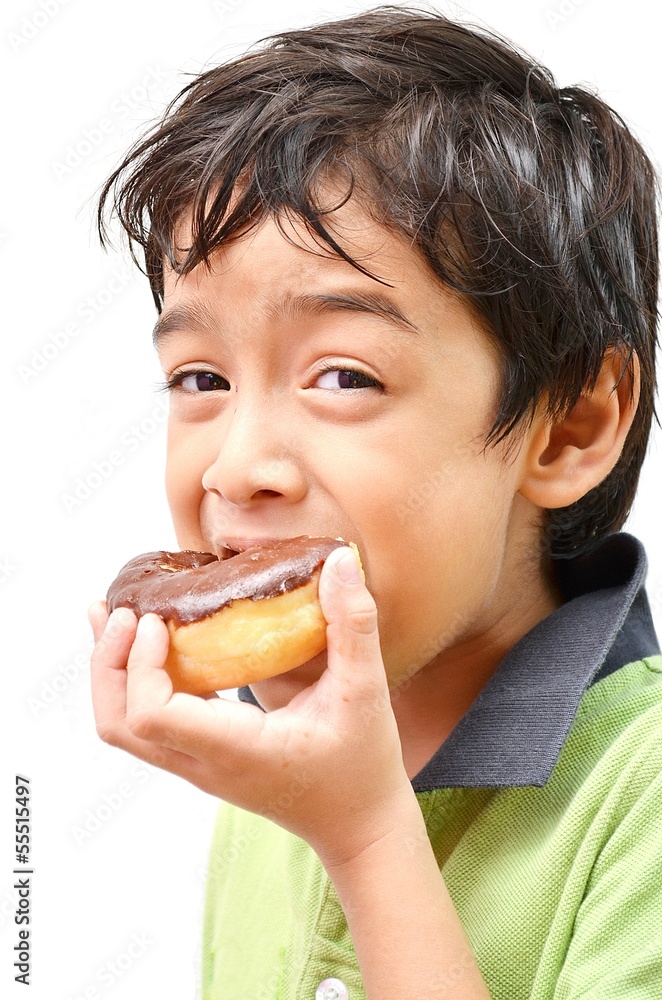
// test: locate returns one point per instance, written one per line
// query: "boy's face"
(326, 403)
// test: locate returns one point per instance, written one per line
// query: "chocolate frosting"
(185, 587)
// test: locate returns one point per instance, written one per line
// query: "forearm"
(406, 932)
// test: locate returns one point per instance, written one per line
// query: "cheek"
(185, 466)
(442, 545)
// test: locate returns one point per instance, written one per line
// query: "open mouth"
(227, 553)
(279, 544)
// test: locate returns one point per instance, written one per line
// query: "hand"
(327, 766)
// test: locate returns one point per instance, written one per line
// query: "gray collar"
(513, 732)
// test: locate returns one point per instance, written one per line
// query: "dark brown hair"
(535, 202)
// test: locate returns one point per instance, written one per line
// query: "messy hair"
(533, 201)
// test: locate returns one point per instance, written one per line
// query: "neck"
(428, 705)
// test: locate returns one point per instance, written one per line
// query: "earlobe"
(567, 458)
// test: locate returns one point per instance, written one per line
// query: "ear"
(567, 459)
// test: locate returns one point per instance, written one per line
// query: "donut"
(236, 620)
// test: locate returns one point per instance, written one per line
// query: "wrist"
(393, 825)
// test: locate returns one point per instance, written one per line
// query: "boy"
(407, 296)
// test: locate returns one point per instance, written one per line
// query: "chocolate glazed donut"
(233, 621)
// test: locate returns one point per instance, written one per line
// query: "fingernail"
(119, 619)
(347, 567)
(146, 626)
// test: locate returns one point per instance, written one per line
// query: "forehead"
(355, 241)
(280, 270)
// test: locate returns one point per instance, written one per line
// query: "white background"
(118, 848)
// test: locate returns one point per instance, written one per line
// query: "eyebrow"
(181, 318)
(372, 303)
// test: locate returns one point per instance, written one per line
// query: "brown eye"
(201, 381)
(345, 378)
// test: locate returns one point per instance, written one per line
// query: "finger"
(107, 671)
(109, 697)
(353, 650)
(178, 722)
(182, 723)
(218, 731)
(148, 684)
(97, 615)
(114, 636)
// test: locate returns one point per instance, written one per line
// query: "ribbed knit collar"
(513, 732)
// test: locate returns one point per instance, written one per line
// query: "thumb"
(351, 615)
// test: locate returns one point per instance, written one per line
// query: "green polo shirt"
(544, 810)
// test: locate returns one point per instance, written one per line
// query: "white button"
(332, 989)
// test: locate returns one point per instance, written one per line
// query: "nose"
(254, 457)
